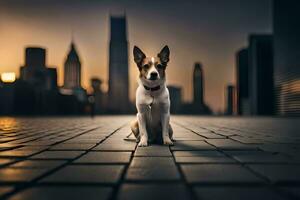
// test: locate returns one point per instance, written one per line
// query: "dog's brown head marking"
(152, 68)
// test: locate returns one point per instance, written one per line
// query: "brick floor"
(213, 158)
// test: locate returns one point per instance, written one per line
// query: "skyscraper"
(230, 100)
(72, 70)
(286, 31)
(118, 65)
(242, 69)
(261, 74)
(72, 75)
(198, 85)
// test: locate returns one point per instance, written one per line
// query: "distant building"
(230, 100)
(198, 106)
(261, 75)
(175, 98)
(7, 98)
(100, 98)
(72, 69)
(118, 66)
(36, 91)
(72, 75)
(242, 85)
(35, 70)
(286, 29)
(198, 85)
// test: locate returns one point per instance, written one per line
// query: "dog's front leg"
(165, 121)
(141, 116)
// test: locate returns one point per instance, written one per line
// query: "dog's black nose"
(153, 75)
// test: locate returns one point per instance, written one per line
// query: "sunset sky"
(206, 31)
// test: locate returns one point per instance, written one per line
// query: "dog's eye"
(146, 66)
(159, 66)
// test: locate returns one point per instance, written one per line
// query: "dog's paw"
(167, 141)
(143, 142)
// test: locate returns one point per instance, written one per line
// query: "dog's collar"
(152, 89)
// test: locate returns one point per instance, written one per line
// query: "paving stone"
(109, 174)
(152, 168)
(153, 191)
(187, 136)
(278, 172)
(258, 157)
(17, 153)
(201, 157)
(5, 189)
(105, 157)
(64, 193)
(149, 161)
(5, 161)
(153, 150)
(191, 145)
(75, 147)
(83, 141)
(116, 146)
(217, 173)
(58, 155)
(227, 144)
(247, 140)
(210, 135)
(32, 148)
(37, 164)
(41, 142)
(153, 173)
(19, 175)
(235, 193)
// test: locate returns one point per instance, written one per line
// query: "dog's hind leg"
(135, 129)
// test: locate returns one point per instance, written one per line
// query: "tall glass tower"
(118, 65)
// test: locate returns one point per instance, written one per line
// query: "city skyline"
(216, 51)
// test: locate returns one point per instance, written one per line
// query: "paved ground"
(213, 158)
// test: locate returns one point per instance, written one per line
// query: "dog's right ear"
(139, 56)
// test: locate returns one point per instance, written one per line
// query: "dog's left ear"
(138, 55)
(164, 54)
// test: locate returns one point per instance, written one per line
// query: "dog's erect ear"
(164, 55)
(138, 55)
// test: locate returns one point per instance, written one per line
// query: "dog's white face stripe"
(152, 69)
(152, 59)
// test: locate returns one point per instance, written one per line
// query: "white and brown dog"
(152, 99)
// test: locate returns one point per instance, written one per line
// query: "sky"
(206, 31)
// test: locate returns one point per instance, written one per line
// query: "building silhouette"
(72, 69)
(286, 29)
(72, 75)
(118, 66)
(198, 106)
(7, 98)
(230, 100)
(198, 85)
(175, 98)
(35, 70)
(100, 97)
(242, 82)
(261, 74)
(36, 91)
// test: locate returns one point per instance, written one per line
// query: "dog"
(152, 99)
